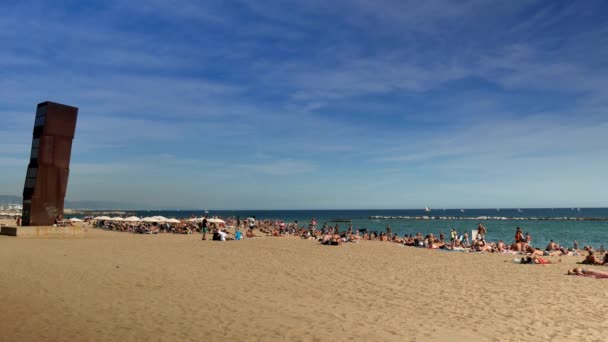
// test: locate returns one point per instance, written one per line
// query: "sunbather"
(588, 273)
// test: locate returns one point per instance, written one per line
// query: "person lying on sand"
(333, 240)
(537, 260)
(588, 273)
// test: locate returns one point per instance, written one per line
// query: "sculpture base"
(44, 232)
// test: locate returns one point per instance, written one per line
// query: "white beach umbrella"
(102, 218)
(215, 220)
(132, 219)
(150, 219)
(74, 219)
(160, 218)
(117, 219)
(194, 220)
(172, 220)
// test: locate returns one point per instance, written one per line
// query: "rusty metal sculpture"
(46, 180)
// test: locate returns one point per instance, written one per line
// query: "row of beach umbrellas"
(153, 219)
(210, 220)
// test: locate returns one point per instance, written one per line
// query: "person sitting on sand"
(552, 246)
(383, 237)
(59, 221)
(223, 235)
(605, 259)
(249, 233)
(500, 246)
(588, 273)
(465, 240)
(590, 259)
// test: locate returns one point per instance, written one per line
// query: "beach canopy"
(132, 219)
(160, 218)
(102, 218)
(215, 220)
(74, 219)
(150, 219)
(117, 219)
(172, 220)
(9, 214)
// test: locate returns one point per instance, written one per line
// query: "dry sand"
(112, 286)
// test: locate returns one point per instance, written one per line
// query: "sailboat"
(497, 209)
(462, 210)
(427, 209)
(206, 211)
(519, 210)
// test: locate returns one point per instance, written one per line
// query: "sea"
(588, 226)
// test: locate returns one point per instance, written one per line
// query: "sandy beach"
(111, 286)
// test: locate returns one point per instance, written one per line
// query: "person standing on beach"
(481, 231)
(528, 238)
(204, 228)
(519, 236)
(453, 235)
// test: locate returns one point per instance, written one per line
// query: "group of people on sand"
(147, 227)
(334, 236)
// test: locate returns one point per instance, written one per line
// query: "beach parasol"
(160, 218)
(215, 220)
(102, 218)
(132, 219)
(74, 219)
(172, 220)
(150, 219)
(117, 219)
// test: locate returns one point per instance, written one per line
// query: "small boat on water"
(519, 210)
(462, 210)
(427, 209)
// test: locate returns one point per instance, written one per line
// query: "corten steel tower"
(46, 180)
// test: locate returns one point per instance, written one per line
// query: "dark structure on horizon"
(46, 180)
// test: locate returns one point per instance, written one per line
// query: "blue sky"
(315, 104)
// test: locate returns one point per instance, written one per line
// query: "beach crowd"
(334, 236)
